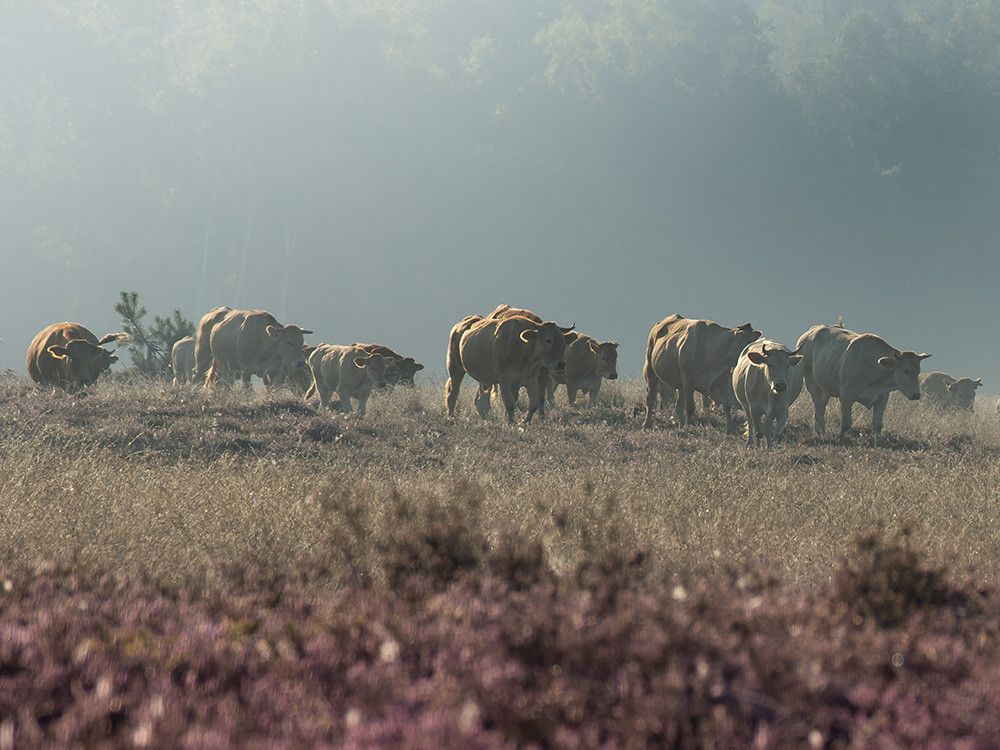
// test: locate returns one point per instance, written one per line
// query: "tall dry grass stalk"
(192, 487)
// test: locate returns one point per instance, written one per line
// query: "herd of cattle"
(512, 348)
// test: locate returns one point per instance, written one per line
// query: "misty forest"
(340, 160)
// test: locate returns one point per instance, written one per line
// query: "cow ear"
(795, 359)
(58, 351)
(273, 332)
(530, 335)
(756, 357)
(923, 356)
(887, 362)
(594, 346)
(303, 331)
(571, 337)
(418, 367)
(978, 382)
(112, 358)
(614, 344)
(362, 362)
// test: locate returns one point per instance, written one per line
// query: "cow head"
(549, 341)
(775, 362)
(402, 370)
(81, 361)
(963, 392)
(374, 366)
(905, 369)
(607, 358)
(291, 345)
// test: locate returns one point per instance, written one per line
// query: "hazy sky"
(375, 172)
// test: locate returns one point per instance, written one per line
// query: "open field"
(155, 530)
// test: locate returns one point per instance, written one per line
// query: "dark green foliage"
(150, 347)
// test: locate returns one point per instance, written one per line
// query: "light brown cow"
(68, 356)
(203, 339)
(401, 370)
(508, 352)
(349, 371)
(588, 362)
(853, 367)
(693, 356)
(252, 342)
(766, 381)
(943, 390)
(182, 360)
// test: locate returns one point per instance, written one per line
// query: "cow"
(943, 390)
(252, 342)
(855, 367)
(401, 370)
(297, 379)
(182, 360)
(766, 381)
(692, 356)
(203, 338)
(588, 362)
(349, 370)
(68, 356)
(509, 352)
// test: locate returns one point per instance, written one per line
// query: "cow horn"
(567, 330)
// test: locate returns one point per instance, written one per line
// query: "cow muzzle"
(613, 376)
(914, 396)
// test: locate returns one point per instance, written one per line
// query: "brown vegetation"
(239, 503)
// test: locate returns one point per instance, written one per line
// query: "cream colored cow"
(252, 342)
(855, 367)
(693, 356)
(588, 363)
(766, 381)
(348, 371)
(943, 390)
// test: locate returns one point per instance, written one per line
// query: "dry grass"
(184, 485)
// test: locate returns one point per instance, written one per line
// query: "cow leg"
(752, 432)
(652, 394)
(846, 418)
(878, 413)
(780, 419)
(571, 393)
(820, 400)
(508, 394)
(451, 389)
(543, 384)
(593, 396)
(769, 428)
(550, 392)
(482, 400)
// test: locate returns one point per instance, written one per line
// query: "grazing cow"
(853, 367)
(68, 356)
(297, 379)
(588, 361)
(401, 370)
(509, 352)
(693, 356)
(766, 381)
(349, 370)
(943, 390)
(252, 342)
(203, 339)
(182, 360)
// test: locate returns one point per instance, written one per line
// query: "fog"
(376, 170)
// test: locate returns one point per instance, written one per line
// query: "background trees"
(266, 153)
